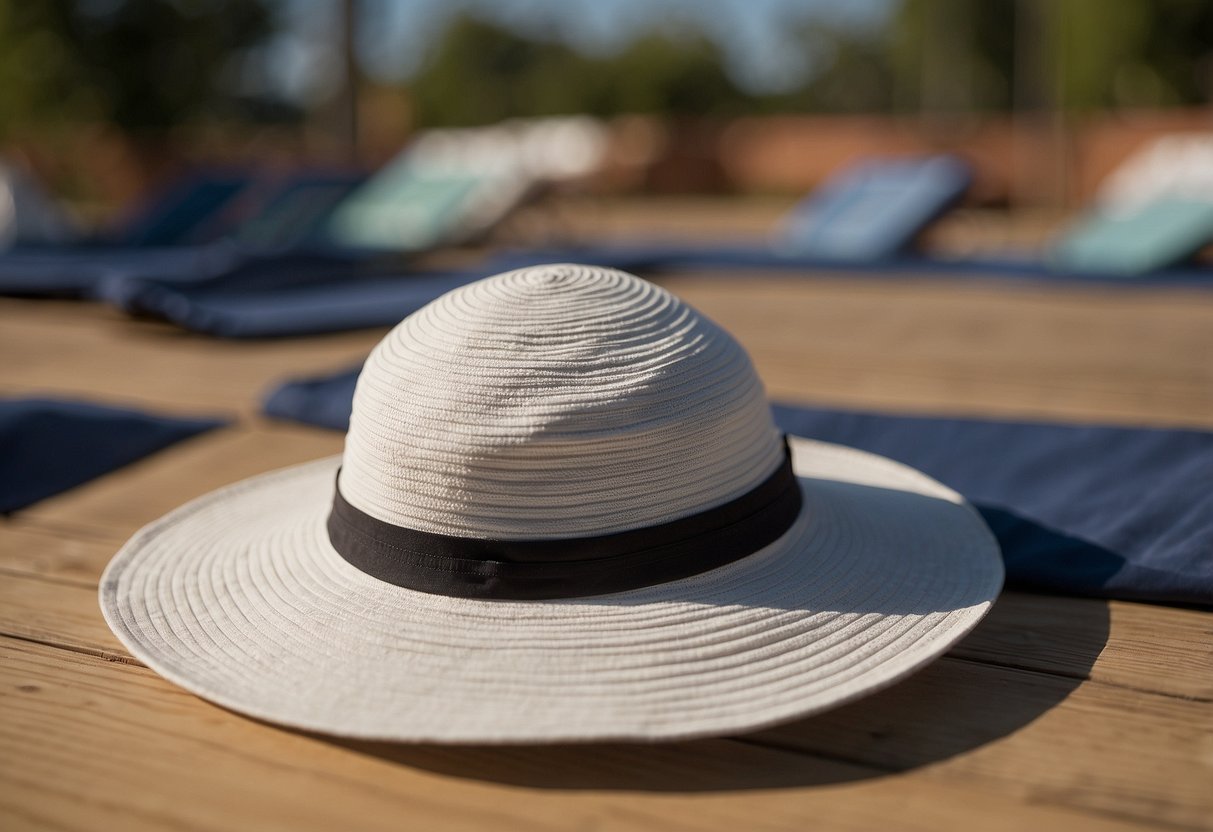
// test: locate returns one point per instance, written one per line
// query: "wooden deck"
(1054, 714)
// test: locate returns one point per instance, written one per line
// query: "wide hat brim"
(240, 598)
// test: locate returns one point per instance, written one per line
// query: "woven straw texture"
(554, 402)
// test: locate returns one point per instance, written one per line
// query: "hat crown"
(555, 401)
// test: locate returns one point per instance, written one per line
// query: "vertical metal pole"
(946, 108)
(1058, 107)
(1042, 152)
(1026, 96)
(346, 105)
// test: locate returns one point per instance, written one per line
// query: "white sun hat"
(563, 514)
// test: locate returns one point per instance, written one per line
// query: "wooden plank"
(125, 500)
(57, 615)
(103, 357)
(1070, 353)
(1136, 646)
(59, 554)
(172, 760)
(945, 346)
(1117, 751)
(1107, 749)
(999, 741)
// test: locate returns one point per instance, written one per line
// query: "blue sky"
(396, 33)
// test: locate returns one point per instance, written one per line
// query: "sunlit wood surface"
(1054, 714)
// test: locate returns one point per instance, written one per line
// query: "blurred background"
(104, 101)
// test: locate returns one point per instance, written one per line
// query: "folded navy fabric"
(49, 445)
(179, 214)
(247, 271)
(324, 401)
(304, 310)
(301, 297)
(208, 231)
(1107, 512)
(223, 270)
(163, 239)
(122, 277)
(758, 255)
(1092, 510)
(77, 272)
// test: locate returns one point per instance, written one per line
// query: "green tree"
(481, 73)
(144, 65)
(852, 73)
(953, 54)
(1133, 52)
(962, 54)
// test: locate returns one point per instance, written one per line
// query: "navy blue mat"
(1108, 512)
(1091, 510)
(180, 213)
(48, 446)
(77, 272)
(249, 272)
(228, 290)
(323, 401)
(305, 310)
(661, 258)
(207, 232)
(303, 295)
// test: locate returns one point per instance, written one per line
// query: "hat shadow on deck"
(1022, 660)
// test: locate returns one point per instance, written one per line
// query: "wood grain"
(1109, 750)
(1133, 646)
(957, 346)
(172, 760)
(1054, 713)
(1136, 646)
(85, 350)
(62, 554)
(1127, 752)
(123, 501)
(912, 345)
